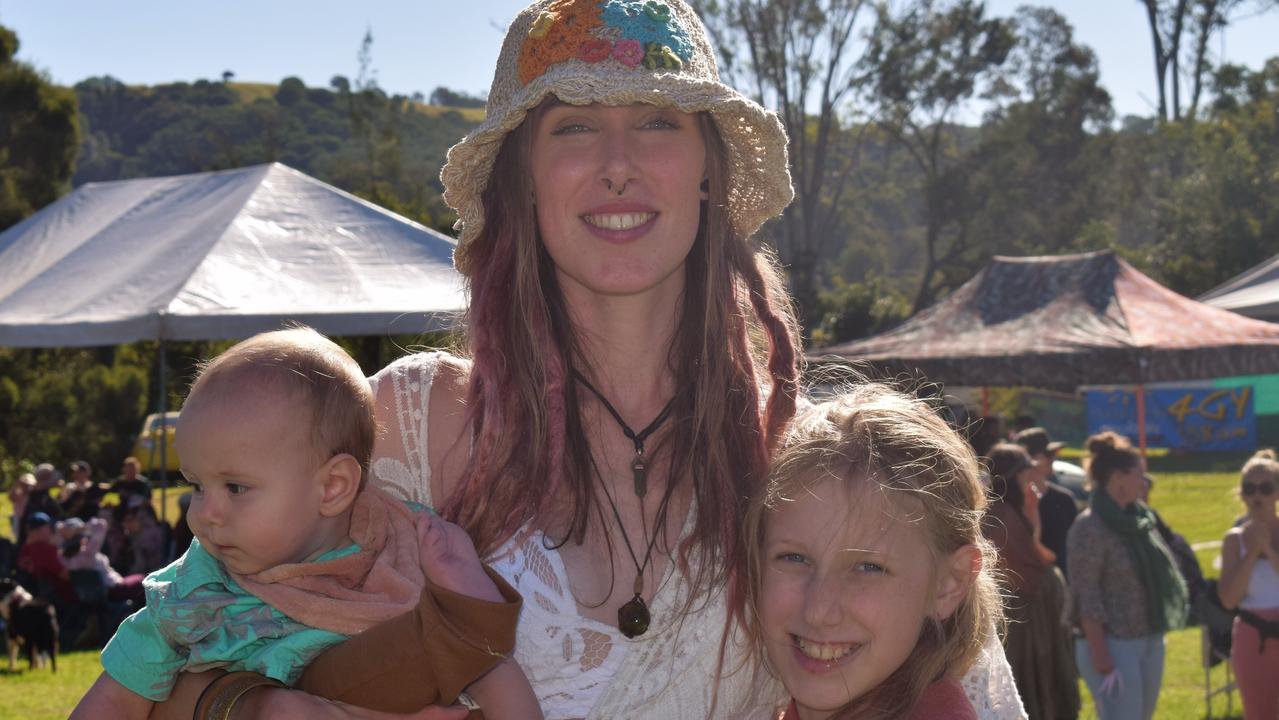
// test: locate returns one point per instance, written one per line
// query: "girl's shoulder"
(943, 700)
(425, 365)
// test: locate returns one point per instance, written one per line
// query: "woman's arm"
(1095, 635)
(1236, 570)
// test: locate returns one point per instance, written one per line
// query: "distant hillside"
(385, 148)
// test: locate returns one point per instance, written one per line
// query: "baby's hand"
(450, 560)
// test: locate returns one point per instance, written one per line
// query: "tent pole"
(985, 401)
(1141, 419)
(162, 402)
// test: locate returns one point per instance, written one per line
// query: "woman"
(1125, 587)
(1250, 583)
(632, 361)
(1038, 642)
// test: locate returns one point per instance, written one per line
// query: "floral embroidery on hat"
(632, 32)
(542, 24)
(661, 57)
(595, 50)
(628, 52)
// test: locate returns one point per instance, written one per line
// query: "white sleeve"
(402, 393)
(990, 687)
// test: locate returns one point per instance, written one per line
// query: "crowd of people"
(86, 545)
(622, 439)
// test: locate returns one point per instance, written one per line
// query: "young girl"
(872, 588)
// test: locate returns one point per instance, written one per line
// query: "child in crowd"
(293, 552)
(872, 589)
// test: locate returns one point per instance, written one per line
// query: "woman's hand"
(1257, 538)
(280, 704)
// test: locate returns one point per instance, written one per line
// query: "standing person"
(39, 499)
(1250, 583)
(1125, 587)
(1038, 641)
(631, 362)
(1057, 509)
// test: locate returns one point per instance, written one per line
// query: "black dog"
(32, 623)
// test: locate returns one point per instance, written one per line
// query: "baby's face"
(846, 586)
(257, 481)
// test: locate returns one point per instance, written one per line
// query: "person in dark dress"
(1057, 508)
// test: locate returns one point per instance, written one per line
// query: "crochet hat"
(619, 52)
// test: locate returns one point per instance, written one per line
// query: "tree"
(455, 98)
(799, 57)
(39, 134)
(1173, 23)
(927, 63)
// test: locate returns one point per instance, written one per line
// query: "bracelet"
(219, 698)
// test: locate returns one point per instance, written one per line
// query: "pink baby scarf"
(353, 593)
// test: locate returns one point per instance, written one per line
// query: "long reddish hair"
(735, 338)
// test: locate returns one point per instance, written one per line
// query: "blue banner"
(1204, 419)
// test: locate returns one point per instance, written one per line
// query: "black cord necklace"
(639, 466)
(633, 618)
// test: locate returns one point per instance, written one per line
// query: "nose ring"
(609, 184)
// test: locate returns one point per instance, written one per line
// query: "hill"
(388, 149)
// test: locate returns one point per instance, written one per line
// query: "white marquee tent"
(219, 255)
(1254, 293)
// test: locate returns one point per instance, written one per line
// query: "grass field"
(1199, 505)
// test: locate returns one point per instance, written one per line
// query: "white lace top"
(582, 668)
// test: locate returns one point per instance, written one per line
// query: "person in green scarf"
(1124, 584)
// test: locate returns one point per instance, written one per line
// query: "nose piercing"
(609, 184)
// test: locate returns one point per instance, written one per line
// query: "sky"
(422, 44)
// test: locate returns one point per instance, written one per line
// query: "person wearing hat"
(39, 500)
(631, 361)
(39, 557)
(1057, 509)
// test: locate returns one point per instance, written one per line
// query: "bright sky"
(421, 44)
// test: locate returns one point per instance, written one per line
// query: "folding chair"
(1214, 642)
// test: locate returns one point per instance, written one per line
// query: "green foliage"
(39, 133)
(857, 309)
(386, 149)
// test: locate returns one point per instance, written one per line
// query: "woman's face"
(1260, 492)
(1126, 486)
(618, 193)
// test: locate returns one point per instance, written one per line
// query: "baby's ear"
(341, 483)
(956, 576)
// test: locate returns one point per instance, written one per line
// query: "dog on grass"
(32, 624)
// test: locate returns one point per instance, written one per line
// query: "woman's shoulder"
(422, 365)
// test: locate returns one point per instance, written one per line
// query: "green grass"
(1199, 505)
(45, 695)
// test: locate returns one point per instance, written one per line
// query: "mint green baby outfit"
(197, 618)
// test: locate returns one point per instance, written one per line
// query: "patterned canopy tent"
(1066, 321)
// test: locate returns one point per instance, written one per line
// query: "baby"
(293, 552)
(870, 587)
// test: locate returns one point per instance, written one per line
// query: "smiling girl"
(872, 588)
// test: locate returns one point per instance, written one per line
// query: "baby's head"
(275, 436)
(870, 578)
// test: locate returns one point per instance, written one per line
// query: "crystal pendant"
(639, 473)
(633, 618)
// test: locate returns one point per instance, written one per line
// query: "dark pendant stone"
(633, 618)
(639, 471)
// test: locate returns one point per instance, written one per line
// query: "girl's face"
(847, 585)
(617, 194)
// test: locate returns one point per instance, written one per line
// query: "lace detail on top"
(582, 668)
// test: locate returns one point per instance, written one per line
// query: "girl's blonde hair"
(877, 435)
